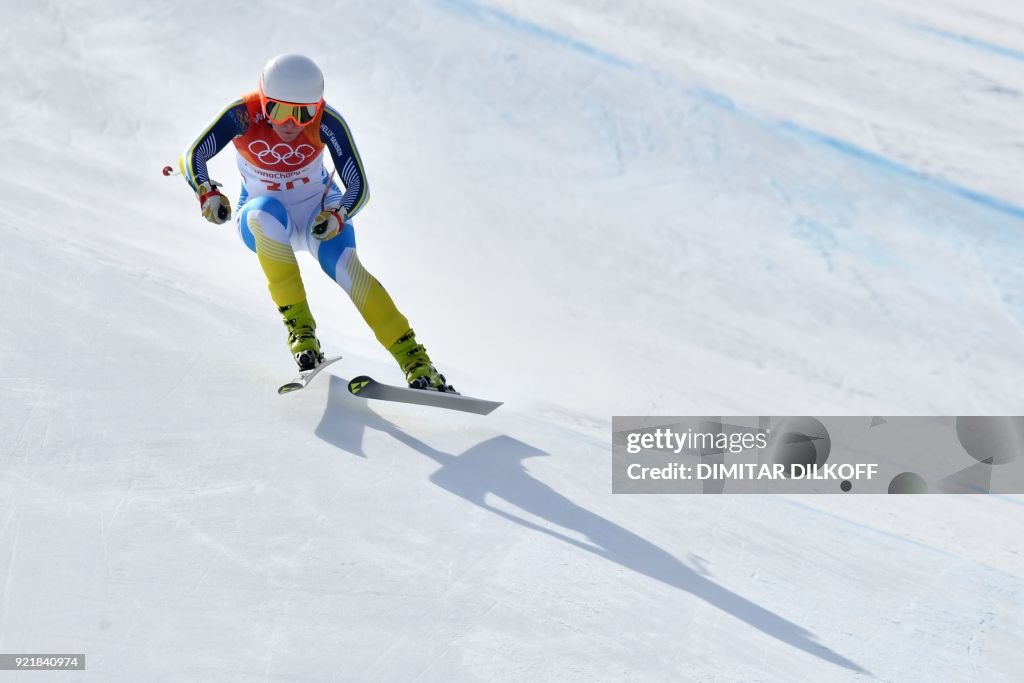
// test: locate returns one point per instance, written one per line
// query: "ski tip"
(487, 407)
(288, 388)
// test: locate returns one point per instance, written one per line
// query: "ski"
(367, 387)
(306, 376)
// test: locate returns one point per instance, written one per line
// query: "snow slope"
(586, 208)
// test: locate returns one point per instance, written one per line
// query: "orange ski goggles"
(281, 112)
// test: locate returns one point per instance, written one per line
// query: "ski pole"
(327, 188)
(321, 228)
(222, 211)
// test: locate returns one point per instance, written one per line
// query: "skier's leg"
(265, 227)
(339, 260)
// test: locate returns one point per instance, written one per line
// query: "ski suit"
(284, 187)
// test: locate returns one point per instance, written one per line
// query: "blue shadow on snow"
(495, 467)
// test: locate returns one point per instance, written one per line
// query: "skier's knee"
(266, 204)
(329, 254)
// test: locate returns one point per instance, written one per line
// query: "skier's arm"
(336, 135)
(231, 122)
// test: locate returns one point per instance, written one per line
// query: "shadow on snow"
(495, 467)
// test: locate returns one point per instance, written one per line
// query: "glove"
(216, 207)
(328, 223)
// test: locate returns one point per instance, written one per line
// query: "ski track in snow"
(483, 12)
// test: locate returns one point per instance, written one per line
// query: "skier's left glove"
(329, 223)
(216, 207)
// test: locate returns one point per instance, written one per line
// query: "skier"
(289, 203)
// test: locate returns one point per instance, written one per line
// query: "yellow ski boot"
(302, 339)
(420, 373)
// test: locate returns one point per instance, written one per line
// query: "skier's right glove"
(216, 207)
(328, 223)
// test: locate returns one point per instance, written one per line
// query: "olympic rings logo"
(281, 153)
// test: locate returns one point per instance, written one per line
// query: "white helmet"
(292, 78)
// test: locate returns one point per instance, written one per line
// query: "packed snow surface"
(586, 208)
